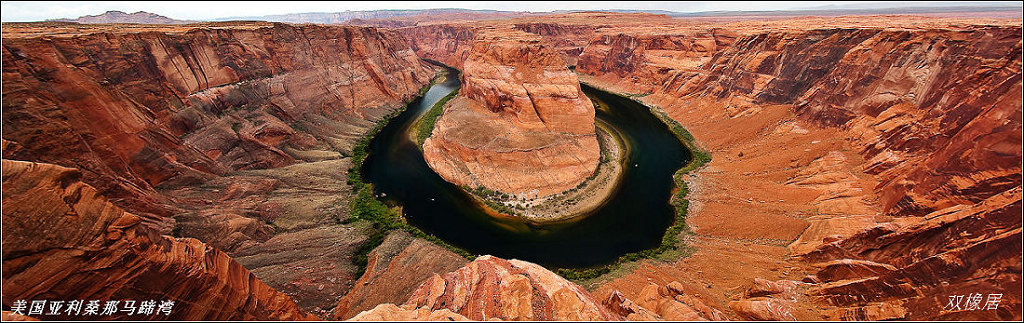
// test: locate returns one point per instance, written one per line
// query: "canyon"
(863, 168)
(224, 134)
(842, 121)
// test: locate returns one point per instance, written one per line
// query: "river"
(634, 218)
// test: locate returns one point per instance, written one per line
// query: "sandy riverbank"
(578, 202)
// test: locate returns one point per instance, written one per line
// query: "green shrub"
(426, 124)
(670, 240)
(364, 206)
(494, 200)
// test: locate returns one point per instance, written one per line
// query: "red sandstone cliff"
(138, 110)
(887, 158)
(520, 123)
(492, 288)
(935, 112)
(64, 241)
(934, 116)
(568, 39)
(393, 272)
(448, 44)
(652, 58)
(954, 251)
(230, 133)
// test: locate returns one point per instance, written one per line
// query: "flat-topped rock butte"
(862, 167)
(520, 124)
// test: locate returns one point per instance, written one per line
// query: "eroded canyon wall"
(64, 241)
(445, 43)
(520, 124)
(934, 113)
(138, 110)
(938, 114)
(568, 39)
(491, 288)
(893, 155)
(393, 272)
(234, 133)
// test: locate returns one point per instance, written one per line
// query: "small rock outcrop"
(393, 271)
(392, 312)
(493, 288)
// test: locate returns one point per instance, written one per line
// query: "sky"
(13, 11)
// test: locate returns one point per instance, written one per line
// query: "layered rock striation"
(974, 247)
(864, 169)
(925, 142)
(231, 133)
(393, 272)
(180, 106)
(449, 44)
(568, 39)
(64, 241)
(493, 288)
(520, 124)
(905, 94)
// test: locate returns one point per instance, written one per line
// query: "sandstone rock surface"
(393, 271)
(137, 110)
(622, 306)
(768, 309)
(886, 127)
(883, 152)
(62, 239)
(231, 133)
(520, 124)
(11, 316)
(392, 312)
(494, 288)
(449, 44)
(672, 304)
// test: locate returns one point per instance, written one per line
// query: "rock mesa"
(520, 124)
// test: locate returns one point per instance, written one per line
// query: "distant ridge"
(402, 17)
(121, 17)
(364, 15)
(408, 17)
(995, 11)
